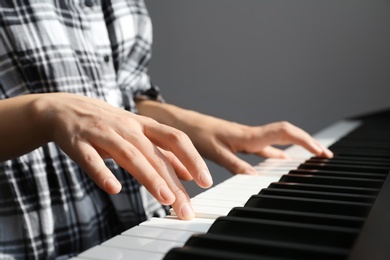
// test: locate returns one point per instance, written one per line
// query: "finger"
(89, 159)
(152, 169)
(179, 168)
(180, 145)
(131, 159)
(325, 151)
(162, 165)
(272, 152)
(285, 133)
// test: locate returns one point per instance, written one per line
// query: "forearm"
(21, 128)
(161, 112)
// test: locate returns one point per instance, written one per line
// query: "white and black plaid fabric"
(49, 208)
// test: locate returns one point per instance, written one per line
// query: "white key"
(252, 179)
(264, 170)
(210, 212)
(280, 162)
(242, 180)
(227, 190)
(141, 243)
(216, 196)
(158, 233)
(234, 186)
(197, 225)
(227, 195)
(104, 253)
(217, 203)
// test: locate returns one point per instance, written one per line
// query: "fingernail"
(205, 178)
(167, 195)
(112, 185)
(186, 211)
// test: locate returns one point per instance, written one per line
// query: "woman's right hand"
(90, 130)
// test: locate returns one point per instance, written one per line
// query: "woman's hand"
(89, 130)
(220, 140)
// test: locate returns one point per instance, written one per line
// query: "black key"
(264, 248)
(363, 154)
(298, 217)
(329, 173)
(284, 231)
(195, 253)
(349, 161)
(333, 181)
(362, 144)
(325, 188)
(356, 159)
(319, 195)
(344, 208)
(346, 168)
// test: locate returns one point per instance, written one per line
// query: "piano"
(303, 208)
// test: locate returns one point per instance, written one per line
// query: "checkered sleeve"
(131, 64)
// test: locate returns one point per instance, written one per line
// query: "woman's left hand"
(220, 140)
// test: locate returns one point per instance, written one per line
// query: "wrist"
(41, 110)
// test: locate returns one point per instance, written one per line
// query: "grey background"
(310, 62)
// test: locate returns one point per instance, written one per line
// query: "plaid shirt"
(49, 208)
